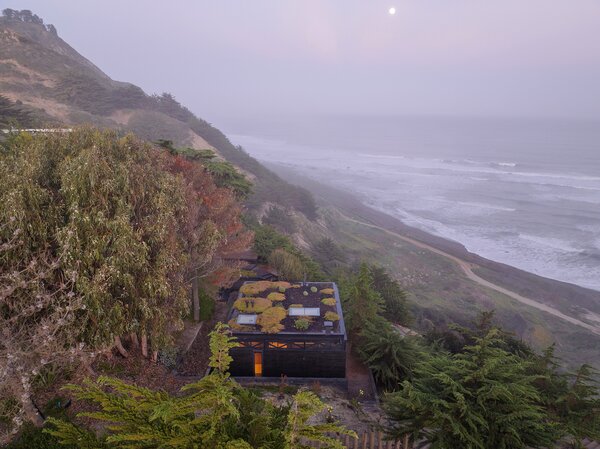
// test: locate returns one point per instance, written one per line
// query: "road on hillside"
(468, 270)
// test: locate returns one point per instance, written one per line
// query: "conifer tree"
(299, 434)
(362, 304)
(481, 398)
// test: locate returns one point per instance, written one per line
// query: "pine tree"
(362, 304)
(390, 356)
(299, 434)
(481, 398)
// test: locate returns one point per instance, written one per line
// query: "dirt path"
(468, 270)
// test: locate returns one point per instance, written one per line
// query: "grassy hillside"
(56, 85)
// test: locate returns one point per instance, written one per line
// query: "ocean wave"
(551, 242)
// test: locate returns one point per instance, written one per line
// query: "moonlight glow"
(392, 11)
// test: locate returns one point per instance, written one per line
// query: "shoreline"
(571, 302)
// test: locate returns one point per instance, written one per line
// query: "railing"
(371, 440)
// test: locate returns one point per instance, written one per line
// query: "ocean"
(525, 192)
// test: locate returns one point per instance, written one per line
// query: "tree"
(393, 296)
(299, 434)
(362, 304)
(98, 237)
(207, 414)
(481, 398)
(288, 266)
(391, 357)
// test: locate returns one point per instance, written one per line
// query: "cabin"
(291, 329)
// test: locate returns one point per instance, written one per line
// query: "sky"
(268, 58)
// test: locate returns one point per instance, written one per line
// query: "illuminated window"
(258, 368)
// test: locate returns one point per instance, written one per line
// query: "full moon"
(392, 11)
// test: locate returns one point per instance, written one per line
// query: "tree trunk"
(120, 348)
(195, 298)
(134, 340)
(154, 356)
(144, 345)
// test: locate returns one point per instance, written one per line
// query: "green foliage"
(314, 289)
(481, 398)
(32, 437)
(329, 255)
(282, 289)
(207, 305)
(168, 357)
(391, 357)
(213, 413)
(280, 220)
(394, 297)
(268, 188)
(267, 240)
(13, 115)
(300, 434)
(305, 293)
(288, 266)
(302, 324)
(362, 304)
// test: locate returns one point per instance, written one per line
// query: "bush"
(302, 324)
(281, 289)
(305, 293)
(329, 301)
(168, 357)
(276, 296)
(287, 265)
(327, 291)
(331, 316)
(314, 289)
(252, 305)
(255, 288)
(270, 320)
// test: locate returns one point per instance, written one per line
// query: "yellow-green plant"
(331, 316)
(252, 305)
(328, 301)
(302, 324)
(276, 296)
(296, 305)
(270, 320)
(327, 291)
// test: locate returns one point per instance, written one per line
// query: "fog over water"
(522, 192)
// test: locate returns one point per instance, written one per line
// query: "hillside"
(43, 80)
(44, 76)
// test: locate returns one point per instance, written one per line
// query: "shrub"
(252, 305)
(276, 296)
(255, 288)
(314, 289)
(331, 316)
(282, 289)
(168, 357)
(305, 293)
(288, 265)
(302, 324)
(327, 291)
(270, 320)
(328, 301)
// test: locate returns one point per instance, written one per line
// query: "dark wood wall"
(327, 359)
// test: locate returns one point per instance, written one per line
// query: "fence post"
(364, 440)
(379, 436)
(371, 439)
(405, 442)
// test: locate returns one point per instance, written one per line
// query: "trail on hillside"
(468, 270)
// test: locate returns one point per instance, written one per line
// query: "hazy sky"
(236, 58)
